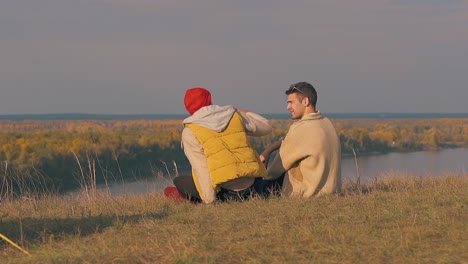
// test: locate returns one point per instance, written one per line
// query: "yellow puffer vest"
(229, 153)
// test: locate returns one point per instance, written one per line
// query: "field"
(397, 219)
(394, 220)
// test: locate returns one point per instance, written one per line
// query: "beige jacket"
(310, 154)
(217, 118)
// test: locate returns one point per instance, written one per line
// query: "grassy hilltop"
(394, 220)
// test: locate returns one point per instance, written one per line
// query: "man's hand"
(264, 159)
(265, 156)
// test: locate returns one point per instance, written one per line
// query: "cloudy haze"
(139, 56)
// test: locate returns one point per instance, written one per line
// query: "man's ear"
(305, 101)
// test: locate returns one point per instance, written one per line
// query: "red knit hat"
(196, 98)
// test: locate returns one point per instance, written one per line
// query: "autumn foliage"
(128, 149)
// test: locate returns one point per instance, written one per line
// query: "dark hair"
(306, 89)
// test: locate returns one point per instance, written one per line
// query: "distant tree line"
(57, 154)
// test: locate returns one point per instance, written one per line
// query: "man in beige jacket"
(309, 156)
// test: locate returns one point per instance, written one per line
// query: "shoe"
(173, 193)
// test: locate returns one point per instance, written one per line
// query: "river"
(424, 163)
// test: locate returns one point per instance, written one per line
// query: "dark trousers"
(264, 188)
(186, 187)
(268, 188)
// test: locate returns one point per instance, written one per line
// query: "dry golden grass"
(394, 220)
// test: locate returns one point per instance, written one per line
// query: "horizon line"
(70, 116)
(275, 113)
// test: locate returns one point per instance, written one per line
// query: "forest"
(60, 155)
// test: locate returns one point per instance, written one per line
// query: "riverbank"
(405, 220)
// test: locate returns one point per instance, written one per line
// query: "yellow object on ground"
(13, 243)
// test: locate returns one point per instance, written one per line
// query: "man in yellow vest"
(224, 164)
(308, 162)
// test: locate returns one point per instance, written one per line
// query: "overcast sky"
(139, 56)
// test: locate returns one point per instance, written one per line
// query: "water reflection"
(425, 163)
